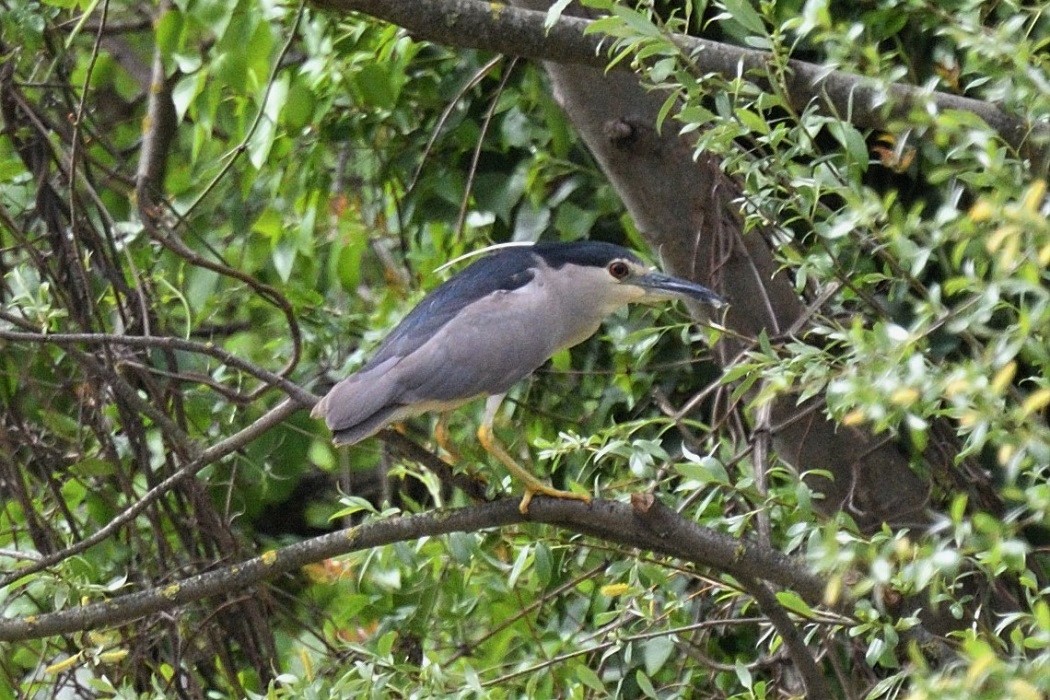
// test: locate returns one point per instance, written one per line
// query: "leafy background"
(318, 169)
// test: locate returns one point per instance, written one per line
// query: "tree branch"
(648, 525)
(804, 660)
(520, 32)
(159, 128)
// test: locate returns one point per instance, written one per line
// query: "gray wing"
(359, 405)
(485, 349)
(503, 271)
(490, 346)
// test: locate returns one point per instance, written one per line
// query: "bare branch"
(159, 129)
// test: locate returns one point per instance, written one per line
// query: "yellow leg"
(442, 438)
(452, 455)
(533, 485)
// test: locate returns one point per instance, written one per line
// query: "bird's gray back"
(505, 271)
(477, 334)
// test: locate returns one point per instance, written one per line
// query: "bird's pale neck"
(577, 303)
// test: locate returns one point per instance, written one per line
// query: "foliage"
(321, 168)
(936, 256)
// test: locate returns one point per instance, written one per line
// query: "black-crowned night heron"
(487, 328)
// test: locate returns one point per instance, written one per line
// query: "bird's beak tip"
(668, 286)
(714, 301)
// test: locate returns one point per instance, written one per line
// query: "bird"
(488, 327)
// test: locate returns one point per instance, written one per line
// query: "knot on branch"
(624, 132)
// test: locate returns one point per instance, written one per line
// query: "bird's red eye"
(619, 269)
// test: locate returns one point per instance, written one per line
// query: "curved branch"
(647, 525)
(519, 32)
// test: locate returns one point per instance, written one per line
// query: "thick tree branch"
(519, 32)
(654, 528)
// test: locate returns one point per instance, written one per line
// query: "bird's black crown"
(583, 253)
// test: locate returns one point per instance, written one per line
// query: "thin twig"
(164, 342)
(476, 157)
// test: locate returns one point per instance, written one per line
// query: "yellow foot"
(533, 485)
(544, 490)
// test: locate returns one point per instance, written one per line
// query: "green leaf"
(168, 31)
(261, 142)
(300, 106)
(705, 469)
(793, 602)
(752, 121)
(543, 564)
(283, 257)
(743, 673)
(521, 562)
(554, 13)
(636, 21)
(742, 12)
(348, 265)
(376, 86)
(656, 652)
(270, 224)
(852, 140)
(573, 221)
(589, 678)
(386, 644)
(876, 648)
(186, 91)
(644, 684)
(352, 505)
(92, 466)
